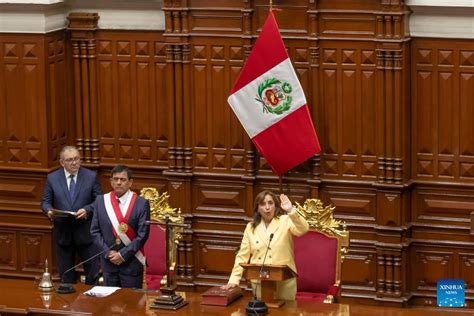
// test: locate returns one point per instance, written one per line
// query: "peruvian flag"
(270, 103)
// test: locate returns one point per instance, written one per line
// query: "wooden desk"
(20, 297)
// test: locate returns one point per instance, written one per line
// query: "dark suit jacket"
(104, 237)
(56, 195)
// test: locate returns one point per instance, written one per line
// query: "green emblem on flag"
(274, 96)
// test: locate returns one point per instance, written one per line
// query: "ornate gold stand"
(162, 213)
(168, 299)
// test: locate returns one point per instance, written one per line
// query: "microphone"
(262, 273)
(256, 306)
(66, 288)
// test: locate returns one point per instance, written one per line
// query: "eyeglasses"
(117, 179)
(71, 160)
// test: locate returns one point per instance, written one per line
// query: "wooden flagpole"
(280, 183)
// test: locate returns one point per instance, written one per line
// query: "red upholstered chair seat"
(316, 262)
(155, 252)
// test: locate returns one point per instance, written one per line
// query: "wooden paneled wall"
(442, 144)
(34, 107)
(392, 113)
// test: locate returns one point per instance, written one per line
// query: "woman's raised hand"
(285, 203)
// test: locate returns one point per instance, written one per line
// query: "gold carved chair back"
(321, 219)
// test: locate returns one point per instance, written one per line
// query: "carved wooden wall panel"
(348, 104)
(213, 262)
(132, 99)
(443, 103)
(8, 250)
(19, 191)
(32, 92)
(58, 94)
(34, 105)
(392, 114)
(442, 207)
(23, 70)
(359, 272)
(218, 137)
(430, 264)
(26, 232)
(466, 267)
(218, 213)
(34, 246)
(23, 253)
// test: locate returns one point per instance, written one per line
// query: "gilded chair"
(319, 253)
(155, 274)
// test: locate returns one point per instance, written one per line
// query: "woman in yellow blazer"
(271, 216)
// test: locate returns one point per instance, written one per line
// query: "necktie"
(120, 206)
(72, 186)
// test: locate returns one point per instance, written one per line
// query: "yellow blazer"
(255, 242)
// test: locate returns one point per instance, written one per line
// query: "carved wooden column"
(171, 100)
(185, 266)
(389, 60)
(180, 150)
(178, 106)
(178, 52)
(187, 143)
(393, 202)
(82, 27)
(251, 155)
(389, 273)
(392, 74)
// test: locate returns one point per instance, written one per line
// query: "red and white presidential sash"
(120, 226)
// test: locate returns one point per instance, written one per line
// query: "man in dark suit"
(72, 188)
(120, 230)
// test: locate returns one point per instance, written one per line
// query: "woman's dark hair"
(257, 218)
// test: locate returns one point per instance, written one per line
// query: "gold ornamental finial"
(159, 206)
(321, 217)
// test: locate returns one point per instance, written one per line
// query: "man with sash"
(120, 228)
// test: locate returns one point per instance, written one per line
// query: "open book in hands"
(60, 213)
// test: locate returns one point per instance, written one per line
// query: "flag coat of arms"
(269, 102)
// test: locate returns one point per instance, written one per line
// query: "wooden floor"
(21, 297)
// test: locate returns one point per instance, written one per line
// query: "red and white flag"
(269, 102)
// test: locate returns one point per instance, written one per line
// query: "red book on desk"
(217, 296)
